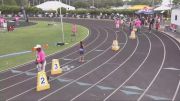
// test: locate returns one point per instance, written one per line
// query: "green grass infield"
(23, 39)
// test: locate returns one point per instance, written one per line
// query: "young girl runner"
(81, 52)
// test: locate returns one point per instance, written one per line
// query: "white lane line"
(150, 48)
(46, 71)
(178, 86)
(29, 62)
(108, 74)
(68, 71)
(83, 75)
(48, 56)
(14, 54)
(176, 92)
(161, 67)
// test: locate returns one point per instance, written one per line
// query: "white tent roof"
(54, 5)
(162, 7)
(166, 2)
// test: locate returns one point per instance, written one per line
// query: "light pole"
(62, 27)
(2, 2)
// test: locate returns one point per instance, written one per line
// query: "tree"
(176, 2)
(10, 2)
(22, 2)
(80, 4)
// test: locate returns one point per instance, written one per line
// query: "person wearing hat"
(40, 58)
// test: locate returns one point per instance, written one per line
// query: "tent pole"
(62, 25)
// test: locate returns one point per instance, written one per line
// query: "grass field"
(24, 38)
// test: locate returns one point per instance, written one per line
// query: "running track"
(144, 69)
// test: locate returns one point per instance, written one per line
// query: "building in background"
(175, 17)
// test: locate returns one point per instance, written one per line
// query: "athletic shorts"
(81, 51)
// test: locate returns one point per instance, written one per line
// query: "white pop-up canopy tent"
(163, 8)
(165, 5)
(54, 5)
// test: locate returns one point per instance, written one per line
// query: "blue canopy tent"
(145, 11)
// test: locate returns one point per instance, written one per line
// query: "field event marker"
(105, 88)
(55, 69)
(42, 82)
(133, 88)
(15, 71)
(64, 80)
(171, 68)
(130, 92)
(157, 98)
(83, 84)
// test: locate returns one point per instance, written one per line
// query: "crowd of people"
(10, 27)
(139, 22)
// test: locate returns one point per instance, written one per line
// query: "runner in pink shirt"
(2, 20)
(16, 18)
(138, 24)
(74, 31)
(117, 23)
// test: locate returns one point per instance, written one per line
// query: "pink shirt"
(41, 56)
(16, 18)
(117, 22)
(74, 28)
(2, 20)
(138, 23)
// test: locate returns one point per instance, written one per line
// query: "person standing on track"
(151, 24)
(74, 31)
(117, 23)
(81, 52)
(138, 24)
(40, 58)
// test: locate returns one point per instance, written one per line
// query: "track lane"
(75, 61)
(93, 92)
(22, 76)
(92, 77)
(75, 68)
(161, 87)
(138, 79)
(30, 66)
(141, 79)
